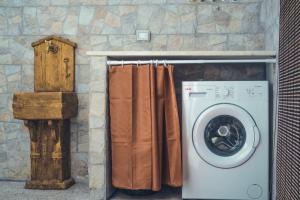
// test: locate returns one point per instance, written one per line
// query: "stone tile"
(97, 104)
(212, 42)
(3, 22)
(135, 2)
(2, 138)
(30, 21)
(5, 58)
(12, 3)
(115, 42)
(4, 100)
(27, 75)
(74, 138)
(13, 77)
(119, 2)
(14, 21)
(3, 156)
(170, 19)
(37, 2)
(149, 2)
(83, 45)
(70, 26)
(12, 130)
(82, 78)
(121, 19)
(10, 21)
(178, 42)
(229, 18)
(83, 138)
(4, 44)
(87, 2)
(99, 84)
(217, 2)
(99, 43)
(97, 146)
(97, 114)
(82, 116)
(17, 150)
(83, 100)
(246, 42)
(12, 69)
(3, 80)
(98, 24)
(128, 19)
(50, 19)
(98, 77)
(86, 15)
(130, 44)
(251, 19)
(159, 42)
(83, 147)
(79, 167)
(20, 50)
(97, 194)
(96, 176)
(59, 2)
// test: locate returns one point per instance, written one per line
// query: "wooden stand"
(47, 113)
(50, 154)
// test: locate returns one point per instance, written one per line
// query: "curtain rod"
(124, 62)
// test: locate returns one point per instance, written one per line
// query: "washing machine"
(225, 140)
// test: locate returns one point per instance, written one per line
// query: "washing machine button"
(254, 191)
(226, 92)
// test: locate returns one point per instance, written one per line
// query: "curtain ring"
(165, 63)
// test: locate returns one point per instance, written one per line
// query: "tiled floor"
(15, 191)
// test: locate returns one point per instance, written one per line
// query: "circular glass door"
(225, 135)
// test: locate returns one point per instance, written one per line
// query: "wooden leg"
(50, 154)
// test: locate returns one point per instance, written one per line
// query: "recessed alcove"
(245, 65)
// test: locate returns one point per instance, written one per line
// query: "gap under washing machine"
(225, 140)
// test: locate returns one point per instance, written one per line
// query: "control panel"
(225, 91)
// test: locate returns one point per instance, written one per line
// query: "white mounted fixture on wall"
(143, 35)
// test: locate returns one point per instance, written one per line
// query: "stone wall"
(104, 25)
(270, 16)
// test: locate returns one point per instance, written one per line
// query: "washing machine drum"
(225, 135)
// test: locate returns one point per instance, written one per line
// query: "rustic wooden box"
(54, 64)
(45, 105)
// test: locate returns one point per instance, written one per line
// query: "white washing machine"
(225, 140)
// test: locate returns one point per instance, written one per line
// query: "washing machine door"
(225, 135)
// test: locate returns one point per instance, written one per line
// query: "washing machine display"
(225, 140)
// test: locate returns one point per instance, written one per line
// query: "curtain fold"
(145, 132)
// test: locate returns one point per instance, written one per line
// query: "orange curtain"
(145, 132)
